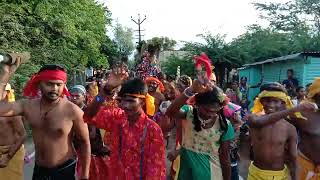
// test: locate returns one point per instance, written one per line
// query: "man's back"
(270, 144)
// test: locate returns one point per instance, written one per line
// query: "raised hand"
(9, 69)
(307, 106)
(118, 75)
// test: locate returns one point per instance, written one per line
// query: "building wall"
(277, 71)
(253, 74)
(312, 70)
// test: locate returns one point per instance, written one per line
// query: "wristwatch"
(99, 99)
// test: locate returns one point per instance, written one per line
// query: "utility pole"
(139, 22)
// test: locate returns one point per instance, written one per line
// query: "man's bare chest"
(55, 122)
(276, 134)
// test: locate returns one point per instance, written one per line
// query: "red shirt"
(126, 165)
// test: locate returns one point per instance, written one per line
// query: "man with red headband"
(51, 117)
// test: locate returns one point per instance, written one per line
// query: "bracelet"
(188, 92)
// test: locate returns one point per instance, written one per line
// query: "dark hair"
(151, 49)
(243, 78)
(308, 85)
(53, 67)
(171, 77)
(299, 88)
(208, 98)
(290, 70)
(134, 86)
(273, 86)
(185, 80)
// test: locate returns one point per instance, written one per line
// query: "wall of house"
(311, 69)
(277, 71)
(253, 74)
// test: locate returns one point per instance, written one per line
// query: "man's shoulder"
(71, 107)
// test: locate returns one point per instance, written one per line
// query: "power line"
(139, 22)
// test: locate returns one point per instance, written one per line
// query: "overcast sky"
(184, 19)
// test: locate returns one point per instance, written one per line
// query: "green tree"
(292, 15)
(185, 63)
(160, 44)
(123, 37)
(54, 31)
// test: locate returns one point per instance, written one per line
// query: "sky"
(182, 20)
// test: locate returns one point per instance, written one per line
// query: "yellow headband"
(258, 107)
(149, 100)
(314, 89)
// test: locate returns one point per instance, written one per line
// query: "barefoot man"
(12, 135)
(51, 118)
(273, 138)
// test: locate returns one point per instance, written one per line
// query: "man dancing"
(51, 118)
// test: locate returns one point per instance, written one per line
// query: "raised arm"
(8, 109)
(260, 121)
(82, 134)
(109, 89)
(173, 110)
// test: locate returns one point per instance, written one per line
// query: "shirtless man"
(12, 135)
(309, 134)
(152, 90)
(51, 118)
(272, 137)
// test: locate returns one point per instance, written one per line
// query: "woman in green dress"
(206, 134)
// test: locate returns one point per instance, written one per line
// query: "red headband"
(31, 88)
(203, 59)
(153, 79)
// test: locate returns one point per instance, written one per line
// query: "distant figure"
(300, 96)
(234, 93)
(291, 83)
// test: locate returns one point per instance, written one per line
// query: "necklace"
(204, 122)
(44, 115)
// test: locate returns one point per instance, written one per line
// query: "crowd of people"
(120, 126)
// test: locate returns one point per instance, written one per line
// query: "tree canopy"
(54, 31)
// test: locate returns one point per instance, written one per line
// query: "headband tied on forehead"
(149, 100)
(258, 107)
(203, 59)
(31, 88)
(159, 83)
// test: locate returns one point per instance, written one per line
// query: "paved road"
(243, 165)
(28, 168)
